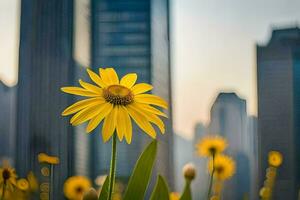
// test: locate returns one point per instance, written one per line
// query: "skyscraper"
(278, 76)
(133, 36)
(45, 65)
(229, 119)
(7, 121)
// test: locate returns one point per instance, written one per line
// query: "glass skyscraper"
(278, 74)
(133, 36)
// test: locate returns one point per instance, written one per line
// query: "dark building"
(133, 36)
(45, 65)
(278, 74)
(7, 121)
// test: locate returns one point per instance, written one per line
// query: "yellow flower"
(224, 167)
(265, 192)
(23, 184)
(44, 158)
(174, 196)
(33, 182)
(76, 186)
(8, 177)
(275, 158)
(211, 145)
(115, 102)
(215, 197)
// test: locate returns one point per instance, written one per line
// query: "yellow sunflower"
(224, 167)
(76, 186)
(275, 158)
(8, 177)
(211, 145)
(174, 196)
(116, 102)
(23, 184)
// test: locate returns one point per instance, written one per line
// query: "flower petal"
(151, 109)
(109, 76)
(129, 80)
(79, 91)
(96, 78)
(90, 87)
(141, 88)
(80, 105)
(87, 114)
(94, 122)
(124, 126)
(142, 122)
(151, 117)
(151, 99)
(109, 124)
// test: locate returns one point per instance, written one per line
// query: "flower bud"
(91, 194)
(189, 171)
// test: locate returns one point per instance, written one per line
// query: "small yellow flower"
(76, 186)
(8, 177)
(211, 145)
(265, 192)
(115, 102)
(224, 167)
(174, 196)
(44, 158)
(23, 184)
(215, 197)
(275, 158)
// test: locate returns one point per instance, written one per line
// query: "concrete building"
(278, 76)
(133, 36)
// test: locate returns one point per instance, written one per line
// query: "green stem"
(211, 178)
(3, 190)
(112, 172)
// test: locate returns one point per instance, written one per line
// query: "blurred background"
(226, 67)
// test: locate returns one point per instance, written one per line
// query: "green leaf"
(140, 177)
(161, 190)
(187, 193)
(104, 190)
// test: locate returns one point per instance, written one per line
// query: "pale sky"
(213, 49)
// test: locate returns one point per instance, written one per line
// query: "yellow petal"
(124, 126)
(142, 122)
(151, 99)
(151, 109)
(80, 105)
(79, 91)
(113, 76)
(151, 117)
(90, 87)
(141, 88)
(96, 78)
(86, 114)
(94, 122)
(128, 80)
(109, 124)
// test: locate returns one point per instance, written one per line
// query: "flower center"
(79, 190)
(212, 150)
(118, 95)
(6, 174)
(220, 169)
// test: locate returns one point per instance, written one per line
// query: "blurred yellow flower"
(265, 192)
(44, 158)
(215, 197)
(8, 177)
(23, 184)
(174, 196)
(275, 158)
(211, 145)
(33, 182)
(76, 186)
(116, 102)
(224, 167)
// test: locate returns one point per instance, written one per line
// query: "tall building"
(45, 65)
(278, 76)
(133, 36)
(229, 118)
(7, 121)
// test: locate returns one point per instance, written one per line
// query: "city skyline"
(198, 37)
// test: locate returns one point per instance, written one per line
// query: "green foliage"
(161, 190)
(104, 191)
(187, 194)
(140, 177)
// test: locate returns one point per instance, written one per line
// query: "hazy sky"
(213, 49)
